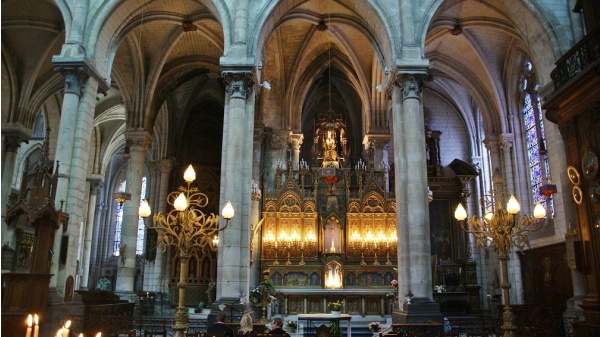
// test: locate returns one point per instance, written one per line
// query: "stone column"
(139, 141)
(13, 135)
(72, 154)
(510, 173)
(75, 79)
(416, 240)
(96, 184)
(233, 266)
(154, 277)
(296, 141)
(377, 146)
(257, 167)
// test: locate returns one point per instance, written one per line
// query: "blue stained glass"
(534, 131)
(118, 226)
(139, 247)
(141, 228)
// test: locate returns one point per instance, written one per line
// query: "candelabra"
(360, 168)
(390, 246)
(291, 242)
(189, 229)
(309, 242)
(502, 229)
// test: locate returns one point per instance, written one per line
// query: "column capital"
(507, 140)
(76, 70)
(376, 141)
(15, 134)
(238, 84)
(138, 140)
(165, 165)
(96, 183)
(260, 131)
(491, 142)
(75, 78)
(279, 138)
(296, 140)
(411, 84)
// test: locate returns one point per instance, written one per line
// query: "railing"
(585, 53)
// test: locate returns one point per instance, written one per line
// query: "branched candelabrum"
(502, 229)
(188, 229)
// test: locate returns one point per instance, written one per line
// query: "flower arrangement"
(335, 306)
(439, 288)
(374, 326)
(390, 296)
(262, 291)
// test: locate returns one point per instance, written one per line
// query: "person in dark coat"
(277, 327)
(219, 326)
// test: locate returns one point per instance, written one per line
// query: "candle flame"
(29, 320)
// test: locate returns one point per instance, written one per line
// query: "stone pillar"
(12, 137)
(154, 277)
(96, 184)
(257, 167)
(139, 141)
(75, 79)
(510, 173)
(416, 269)
(296, 141)
(233, 266)
(377, 146)
(72, 154)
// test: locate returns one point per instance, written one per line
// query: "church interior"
(430, 166)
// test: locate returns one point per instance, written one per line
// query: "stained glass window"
(535, 138)
(139, 247)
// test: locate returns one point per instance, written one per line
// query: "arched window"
(139, 247)
(535, 137)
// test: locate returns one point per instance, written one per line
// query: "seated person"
(277, 327)
(246, 324)
(219, 326)
(104, 284)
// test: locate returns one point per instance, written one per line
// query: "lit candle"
(59, 333)
(81, 334)
(29, 322)
(99, 334)
(65, 332)
(36, 327)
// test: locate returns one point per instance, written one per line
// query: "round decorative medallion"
(594, 191)
(573, 175)
(577, 195)
(589, 165)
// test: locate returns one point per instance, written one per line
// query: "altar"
(452, 303)
(334, 320)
